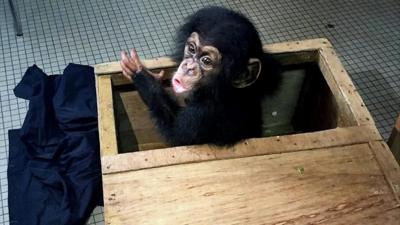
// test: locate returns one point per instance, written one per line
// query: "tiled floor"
(365, 33)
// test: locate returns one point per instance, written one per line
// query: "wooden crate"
(344, 174)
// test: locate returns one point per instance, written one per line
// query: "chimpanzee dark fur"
(216, 113)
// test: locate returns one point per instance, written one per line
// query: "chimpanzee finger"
(160, 75)
(127, 76)
(129, 66)
(126, 69)
(124, 56)
(135, 58)
(129, 63)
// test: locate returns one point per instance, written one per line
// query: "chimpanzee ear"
(250, 76)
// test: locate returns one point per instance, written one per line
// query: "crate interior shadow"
(304, 103)
(126, 138)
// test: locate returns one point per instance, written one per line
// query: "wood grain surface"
(139, 117)
(345, 175)
(250, 147)
(106, 119)
(340, 185)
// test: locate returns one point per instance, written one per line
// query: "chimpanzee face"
(199, 61)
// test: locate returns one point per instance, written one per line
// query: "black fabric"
(54, 173)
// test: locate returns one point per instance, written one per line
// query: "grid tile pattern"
(365, 33)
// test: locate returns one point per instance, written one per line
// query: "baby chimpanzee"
(223, 75)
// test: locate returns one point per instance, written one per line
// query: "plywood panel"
(388, 165)
(115, 67)
(306, 46)
(346, 94)
(106, 120)
(250, 147)
(341, 185)
(143, 126)
(345, 175)
(296, 46)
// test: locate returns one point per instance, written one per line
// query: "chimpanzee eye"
(206, 60)
(192, 48)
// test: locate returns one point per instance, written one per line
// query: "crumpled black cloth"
(54, 173)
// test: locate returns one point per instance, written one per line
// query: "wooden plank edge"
(296, 46)
(291, 58)
(153, 145)
(338, 79)
(106, 120)
(247, 148)
(165, 62)
(115, 67)
(389, 166)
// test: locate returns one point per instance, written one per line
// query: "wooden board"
(390, 168)
(106, 119)
(115, 67)
(345, 175)
(251, 147)
(350, 107)
(340, 185)
(139, 117)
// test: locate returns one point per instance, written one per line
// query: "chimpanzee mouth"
(177, 86)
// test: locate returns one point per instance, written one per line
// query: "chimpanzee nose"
(191, 64)
(177, 81)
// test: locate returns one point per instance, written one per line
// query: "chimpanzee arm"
(191, 126)
(180, 126)
(161, 105)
